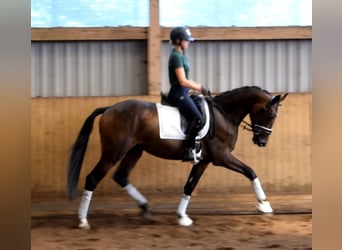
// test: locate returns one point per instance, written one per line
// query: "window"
(218, 13)
(239, 13)
(89, 13)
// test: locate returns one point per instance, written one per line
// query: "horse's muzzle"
(261, 141)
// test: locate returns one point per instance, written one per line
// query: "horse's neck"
(237, 106)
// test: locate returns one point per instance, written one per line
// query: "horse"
(130, 127)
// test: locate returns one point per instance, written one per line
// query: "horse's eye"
(271, 116)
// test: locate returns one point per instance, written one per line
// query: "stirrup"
(193, 156)
(197, 155)
(188, 155)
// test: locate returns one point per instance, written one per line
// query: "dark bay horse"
(130, 127)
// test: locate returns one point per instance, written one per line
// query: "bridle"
(259, 129)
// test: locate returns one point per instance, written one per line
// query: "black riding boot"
(190, 143)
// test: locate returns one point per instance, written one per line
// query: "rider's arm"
(188, 83)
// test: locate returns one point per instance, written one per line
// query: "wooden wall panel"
(283, 166)
(141, 33)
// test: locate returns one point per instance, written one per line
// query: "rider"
(181, 84)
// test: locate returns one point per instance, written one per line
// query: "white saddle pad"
(170, 123)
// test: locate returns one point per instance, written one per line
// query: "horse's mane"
(231, 98)
(233, 92)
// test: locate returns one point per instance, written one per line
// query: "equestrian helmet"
(182, 33)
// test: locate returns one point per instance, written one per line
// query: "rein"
(247, 126)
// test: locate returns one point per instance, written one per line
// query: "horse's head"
(263, 117)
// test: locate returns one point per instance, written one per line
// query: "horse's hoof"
(146, 215)
(84, 224)
(185, 221)
(264, 207)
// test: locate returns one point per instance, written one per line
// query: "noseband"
(257, 129)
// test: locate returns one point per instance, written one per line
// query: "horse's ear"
(275, 99)
(283, 97)
(278, 98)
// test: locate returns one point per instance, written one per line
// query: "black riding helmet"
(182, 33)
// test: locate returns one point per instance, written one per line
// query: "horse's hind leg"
(122, 173)
(92, 180)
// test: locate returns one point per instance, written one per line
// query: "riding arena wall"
(75, 70)
(283, 166)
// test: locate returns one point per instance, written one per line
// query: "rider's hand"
(205, 91)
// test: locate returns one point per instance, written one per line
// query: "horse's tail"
(78, 152)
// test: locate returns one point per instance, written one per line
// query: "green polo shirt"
(177, 60)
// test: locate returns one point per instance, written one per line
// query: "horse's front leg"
(263, 205)
(234, 164)
(195, 174)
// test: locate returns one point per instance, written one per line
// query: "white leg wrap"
(84, 205)
(184, 219)
(259, 192)
(183, 205)
(135, 194)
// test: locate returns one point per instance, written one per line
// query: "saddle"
(200, 103)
